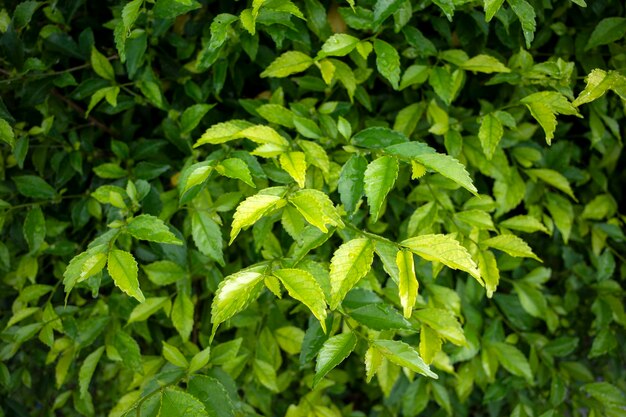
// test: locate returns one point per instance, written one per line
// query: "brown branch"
(92, 120)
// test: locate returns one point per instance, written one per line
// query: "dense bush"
(312, 208)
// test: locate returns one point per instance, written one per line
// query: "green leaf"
(380, 177)
(544, 106)
(307, 127)
(415, 74)
(380, 317)
(489, 271)
(523, 223)
(445, 165)
(404, 355)
(302, 286)
(200, 360)
(151, 228)
(101, 65)
(385, 8)
(340, 44)
(447, 6)
(562, 214)
(164, 272)
(601, 207)
(295, 165)
(606, 393)
(444, 323)
(6, 133)
(531, 299)
(350, 262)
(609, 30)
(264, 135)
(176, 402)
(513, 360)
(237, 169)
(485, 64)
(222, 132)
(212, 394)
(207, 236)
(598, 83)
(252, 209)
(128, 350)
(169, 9)
(34, 187)
(491, 8)
(378, 137)
(444, 249)
(144, 310)
(512, 245)
(275, 113)
(34, 228)
(316, 208)
(182, 315)
(290, 62)
(489, 134)
(290, 339)
(315, 155)
(87, 370)
(130, 12)
(174, 356)
(351, 182)
(192, 116)
(234, 294)
(332, 353)
(526, 15)
(387, 62)
(123, 269)
(407, 285)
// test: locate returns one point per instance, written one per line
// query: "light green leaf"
(544, 106)
(174, 356)
(234, 294)
(101, 65)
(489, 271)
(491, 8)
(511, 244)
(252, 209)
(380, 177)
(415, 74)
(444, 323)
(531, 299)
(351, 262)
(609, 30)
(513, 360)
(123, 269)
(182, 315)
(237, 169)
(213, 395)
(290, 339)
(200, 360)
(34, 228)
(295, 165)
(151, 228)
(164, 272)
(553, 178)
(387, 62)
(87, 370)
(444, 249)
(407, 285)
(290, 62)
(598, 83)
(6, 133)
(485, 64)
(130, 12)
(526, 15)
(144, 310)
(385, 8)
(315, 155)
(332, 353)
(263, 135)
(275, 113)
(265, 374)
(489, 134)
(606, 393)
(523, 223)
(430, 344)
(440, 79)
(316, 208)
(340, 44)
(110, 171)
(601, 207)
(445, 165)
(477, 218)
(207, 235)
(404, 355)
(192, 116)
(222, 132)
(175, 402)
(562, 214)
(373, 361)
(447, 6)
(302, 286)
(307, 127)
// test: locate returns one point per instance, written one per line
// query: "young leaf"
(87, 370)
(207, 236)
(101, 65)
(407, 285)
(351, 262)
(444, 323)
(6, 133)
(316, 208)
(234, 294)
(237, 169)
(379, 177)
(444, 249)
(295, 165)
(512, 245)
(404, 355)
(598, 83)
(200, 360)
(523, 223)
(290, 62)
(373, 361)
(489, 134)
(174, 356)
(222, 132)
(332, 353)
(151, 228)
(252, 209)
(430, 344)
(144, 310)
(387, 62)
(489, 271)
(339, 44)
(275, 113)
(302, 286)
(491, 8)
(123, 269)
(182, 315)
(351, 182)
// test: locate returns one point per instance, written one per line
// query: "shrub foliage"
(312, 208)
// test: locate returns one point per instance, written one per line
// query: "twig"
(93, 121)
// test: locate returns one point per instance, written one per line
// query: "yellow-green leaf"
(295, 165)
(351, 262)
(512, 245)
(302, 286)
(380, 176)
(407, 285)
(252, 209)
(123, 269)
(290, 62)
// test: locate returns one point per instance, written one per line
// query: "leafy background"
(312, 208)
